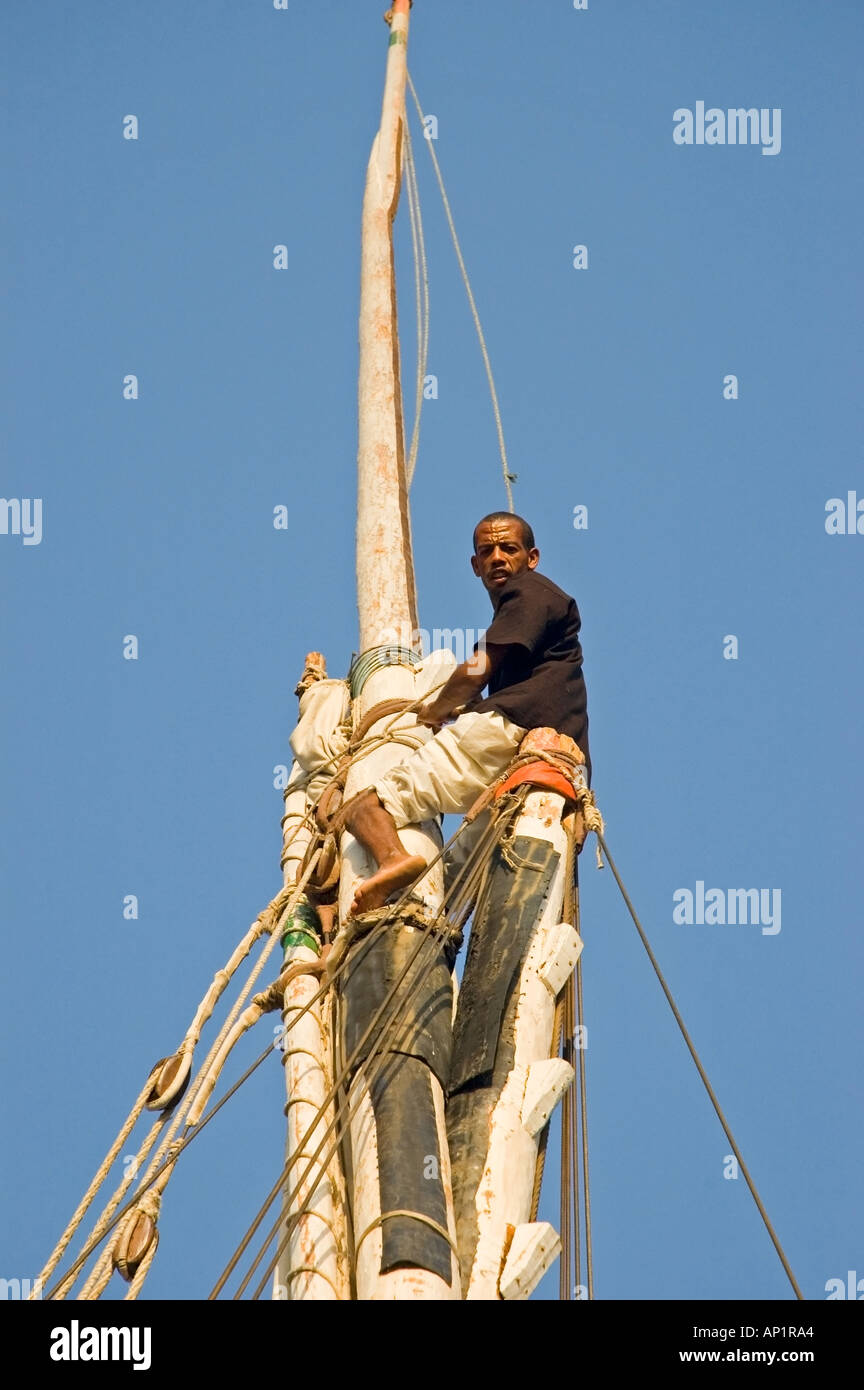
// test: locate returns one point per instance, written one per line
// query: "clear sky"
(706, 521)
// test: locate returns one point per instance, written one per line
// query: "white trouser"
(449, 772)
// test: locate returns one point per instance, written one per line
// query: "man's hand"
(462, 690)
(432, 717)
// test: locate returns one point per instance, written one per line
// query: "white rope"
(269, 921)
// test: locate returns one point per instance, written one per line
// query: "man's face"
(499, 553)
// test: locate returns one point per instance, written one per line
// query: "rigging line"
(583, 1096)
(701, 1070)
(380, 1062)
(421, 295)
(557, 1033)
(566, 1185)
(468, 873)
(330, 1095)
(464, 884)
(573, 1142)
(395, 908)
(564, 1282)
(371, 742)
(495, 407)
(126, 1129)
(294, 893)
(472, 872)
(171, 1158)
(570, 915)
(102, 1172)
(96, 1182)
(179, 1146)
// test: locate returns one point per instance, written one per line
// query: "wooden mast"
(397, 1168)
(386, 596)
(410, 1241)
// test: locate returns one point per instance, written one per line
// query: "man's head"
(503, 546)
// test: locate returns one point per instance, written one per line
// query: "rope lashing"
(342, 761)
(314, 670)
(567, 764)
(326, 812)
(340, 1119)
(570, 766)
(466, 878)
(414, 1216)
(591, 816)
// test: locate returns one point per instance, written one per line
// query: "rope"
(540, 1165)
(570, 1229)
(701, 1070)
(339, 1117)
(346, 1107)
(99, 1278)
(143, 1269)
(179, 1148)
(415, 1216)
(566, 1167)
(331, 1093)
(583, 1095)
(319, 1274)
(276, 910)
(353, 754)
(508, 476)
(97, 1181)
(470, 872)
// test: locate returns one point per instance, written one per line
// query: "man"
(531, 660)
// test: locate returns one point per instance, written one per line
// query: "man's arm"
(464, 685)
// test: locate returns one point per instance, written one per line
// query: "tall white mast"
(386, 596)
(397, 1168)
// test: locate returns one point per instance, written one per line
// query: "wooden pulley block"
(171, 1079)
(132, 1245)
(325, 875)
(328, 807)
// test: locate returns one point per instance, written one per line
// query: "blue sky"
(706, 518)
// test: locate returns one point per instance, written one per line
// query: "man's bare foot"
(396, 872)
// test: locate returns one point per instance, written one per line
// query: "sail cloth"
(323, 731)
(321, 735)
